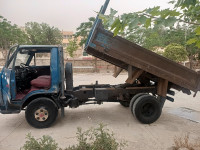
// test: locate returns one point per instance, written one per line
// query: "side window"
(41, 59)
(10, 58)
(11, 64)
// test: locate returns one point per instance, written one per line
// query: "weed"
(185, 142)
(44, 143)
(99, 138)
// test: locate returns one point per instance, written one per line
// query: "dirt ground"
(157, 136)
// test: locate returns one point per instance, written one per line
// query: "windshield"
(21, 58)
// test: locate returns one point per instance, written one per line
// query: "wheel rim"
(148, 110)
(41, 114)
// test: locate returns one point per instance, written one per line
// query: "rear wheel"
(41, 113)
(134, 99)
(146, 109)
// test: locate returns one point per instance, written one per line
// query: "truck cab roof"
(38, 46)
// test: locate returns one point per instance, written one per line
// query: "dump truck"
(43, 89)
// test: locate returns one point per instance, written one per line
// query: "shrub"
(99, 138)
(185, 142)
(175, 52)
(44, 143)
(96, 139)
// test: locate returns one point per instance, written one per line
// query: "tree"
(84, 29)
(72, 47)
(185, 15)
(10, 34)
(175, 52)
(162, 37)
(43, 34)
(184, 11)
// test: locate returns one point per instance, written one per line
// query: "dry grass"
(185, 143)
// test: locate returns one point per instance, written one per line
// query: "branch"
(189, 22)
(180, 20)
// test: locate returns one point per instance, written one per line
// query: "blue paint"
(1, 95)
(92, 45)
(12, 85)
(55, 70)
(5, 80)
(103, 40)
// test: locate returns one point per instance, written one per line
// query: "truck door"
(8, 78)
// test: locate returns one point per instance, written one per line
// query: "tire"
(146, 109)
(125, 103)
(134, 99)
(69, 76)
(41, 113)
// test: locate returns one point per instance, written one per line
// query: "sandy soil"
(157, 136)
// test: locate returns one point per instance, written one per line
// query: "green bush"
(99, 138)
(175, 52)
(96, 139)
(44, 143)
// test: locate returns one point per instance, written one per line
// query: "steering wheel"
(24, 66)
(28, 68)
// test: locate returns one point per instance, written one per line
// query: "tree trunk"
(191, 61)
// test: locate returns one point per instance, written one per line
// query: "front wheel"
(146, 109)
(41, 113)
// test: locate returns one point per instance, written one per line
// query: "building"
(67, 36)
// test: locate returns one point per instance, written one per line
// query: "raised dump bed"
(123, 53)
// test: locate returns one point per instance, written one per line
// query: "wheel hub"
(148, 110)
(41, 114)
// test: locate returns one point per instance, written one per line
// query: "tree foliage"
(175, 52)
(72, 47)
(34, 33)
(84, 29)
(10, 34)
(184, 11)
(43, 34)
(157, 36)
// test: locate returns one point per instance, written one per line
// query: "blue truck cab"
(23, 80)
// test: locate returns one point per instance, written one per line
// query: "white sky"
(67, 14)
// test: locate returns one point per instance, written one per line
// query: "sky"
(67, 14)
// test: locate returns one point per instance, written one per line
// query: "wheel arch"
(31, 98)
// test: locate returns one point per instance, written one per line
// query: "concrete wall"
(83, 66)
